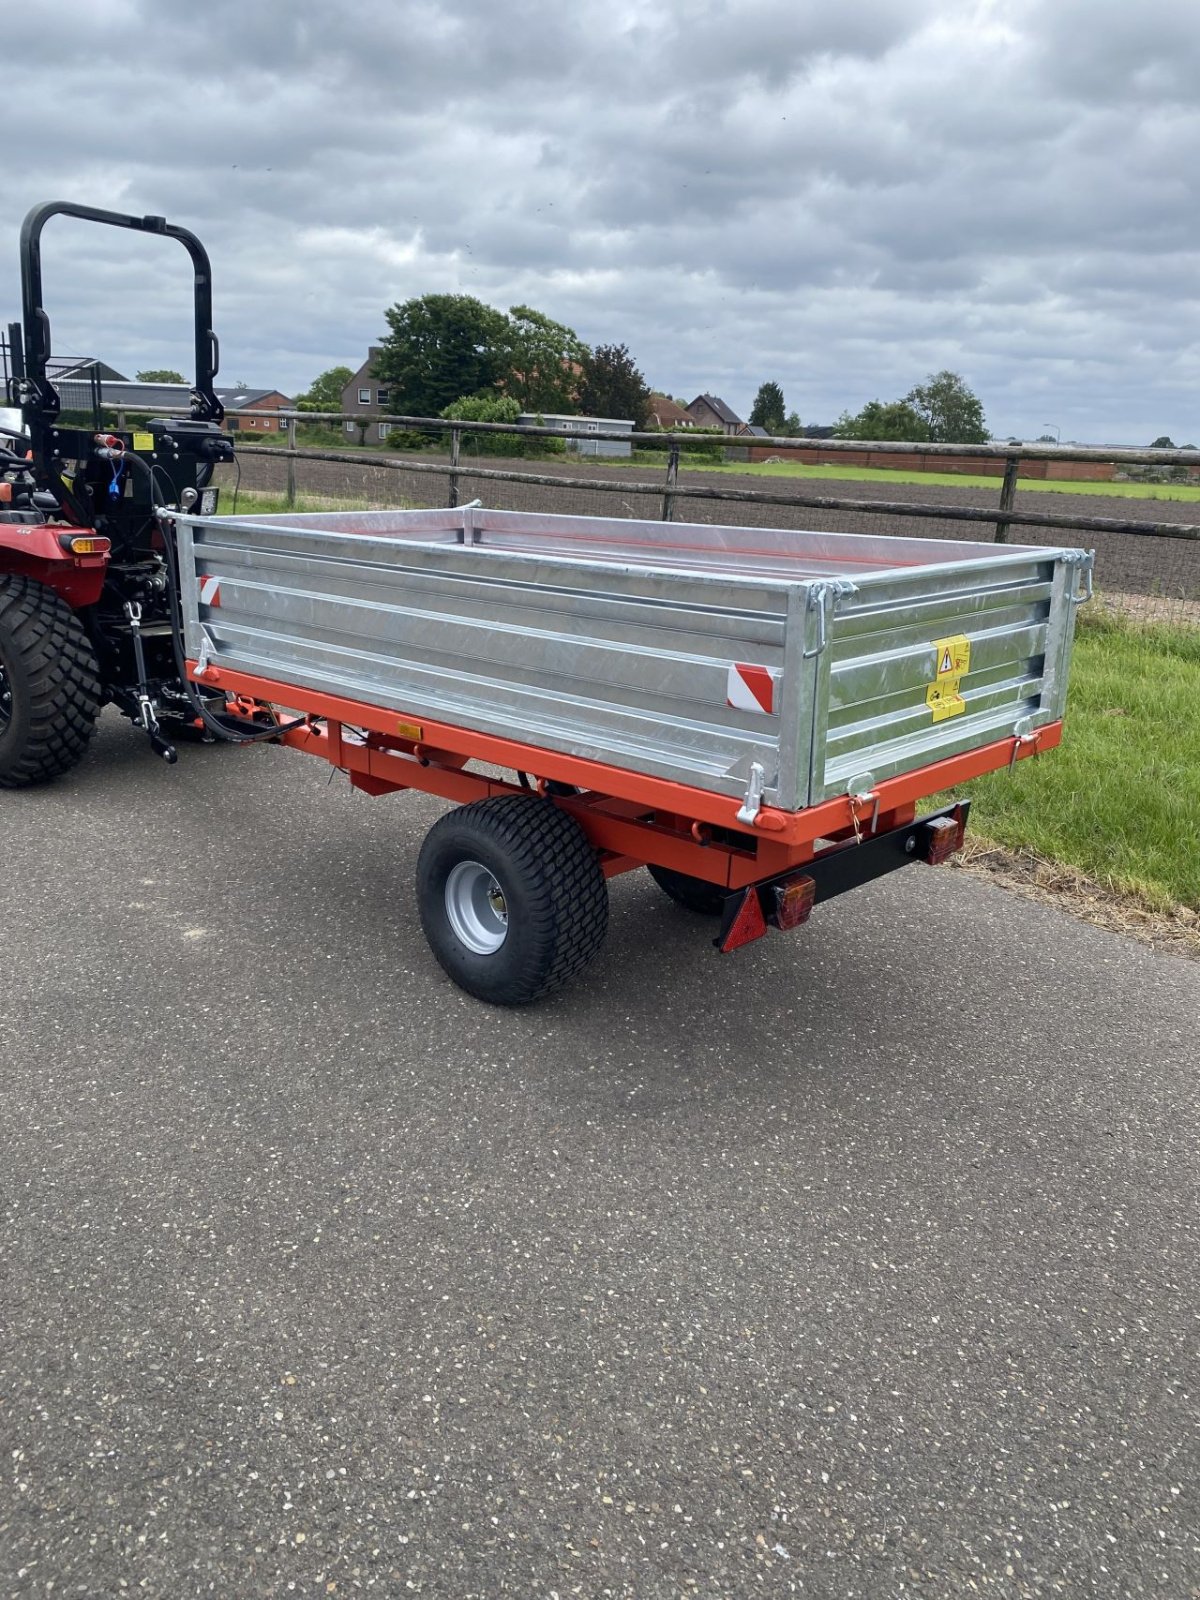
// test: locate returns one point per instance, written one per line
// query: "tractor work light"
(85, 544)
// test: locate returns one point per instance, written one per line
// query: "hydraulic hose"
(233, 730)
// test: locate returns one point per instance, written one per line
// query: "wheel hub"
(476, 908)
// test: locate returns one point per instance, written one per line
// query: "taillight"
(943, 836)
(85, 544)
(794, 899)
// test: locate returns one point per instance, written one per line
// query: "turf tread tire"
(53, 681)
(552, 881)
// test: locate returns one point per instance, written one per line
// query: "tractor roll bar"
(205, 405)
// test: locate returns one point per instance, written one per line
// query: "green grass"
(250, 501)
(961, 480)
(313, 439)
(1120, 798)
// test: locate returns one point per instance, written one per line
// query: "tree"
(441, 347)
(1163, 442)
(952, 413)
(613, 387)
(488, 408)
(899, 420)
(161, 375)
(325, 392)
(769, 410)
(543, 361)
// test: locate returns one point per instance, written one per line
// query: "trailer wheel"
(697, 894)
(512, 898)
(49, 684)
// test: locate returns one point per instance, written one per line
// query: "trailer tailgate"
(925, 663)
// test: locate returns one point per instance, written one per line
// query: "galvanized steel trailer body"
(725, 697)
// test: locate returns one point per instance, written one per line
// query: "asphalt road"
(862, 1263)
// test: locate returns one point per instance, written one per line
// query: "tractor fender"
(35, 550)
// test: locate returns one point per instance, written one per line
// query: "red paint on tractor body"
(33, 550)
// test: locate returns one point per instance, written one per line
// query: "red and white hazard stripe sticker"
(751, 689)
(210, 591)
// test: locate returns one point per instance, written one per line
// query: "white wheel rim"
(476, 908)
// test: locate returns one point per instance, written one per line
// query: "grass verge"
(1024, 872)
(958, 480)
(1117, 802)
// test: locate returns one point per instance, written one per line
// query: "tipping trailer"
(753, 714)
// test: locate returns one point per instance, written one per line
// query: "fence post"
(455, 444)
(1008, 493)
(120, 420)
(668, 503)
(291, 466)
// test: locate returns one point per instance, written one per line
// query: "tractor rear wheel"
(49, 684)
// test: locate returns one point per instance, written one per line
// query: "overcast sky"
(838, 197)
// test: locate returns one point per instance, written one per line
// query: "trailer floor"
(862, 1262)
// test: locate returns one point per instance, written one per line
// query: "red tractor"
(88, 597)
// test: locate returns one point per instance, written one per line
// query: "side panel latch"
(752, 804)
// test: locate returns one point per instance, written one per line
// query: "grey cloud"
(1101, 52)
(841, 198)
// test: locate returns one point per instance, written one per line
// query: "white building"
(580, 427)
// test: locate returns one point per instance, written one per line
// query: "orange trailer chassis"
(772, 871)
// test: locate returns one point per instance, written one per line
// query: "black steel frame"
(847, 866)
(32, 349)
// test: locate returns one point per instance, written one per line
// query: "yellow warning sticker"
(952, 662)
(410, 730)
(143, 441)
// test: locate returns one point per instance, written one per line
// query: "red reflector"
(749, 924)
(945, 835)
(794, 901)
